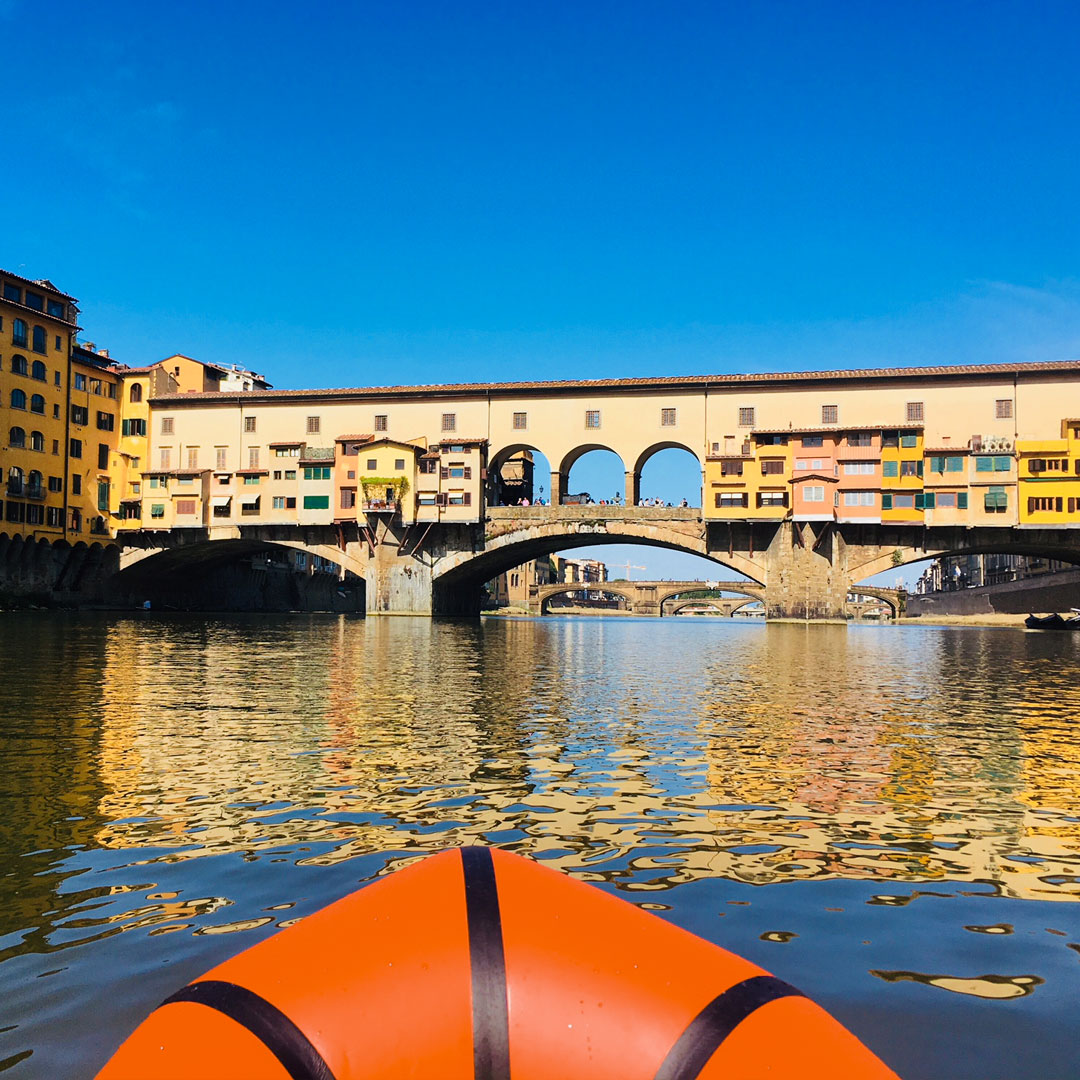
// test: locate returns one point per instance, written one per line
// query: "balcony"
(381, 506)
(35, 491)
(15, 486)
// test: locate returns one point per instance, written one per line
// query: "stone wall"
(1050, 592)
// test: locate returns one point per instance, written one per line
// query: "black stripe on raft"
(265, 1021)
(717, 1021)
(491, 1022)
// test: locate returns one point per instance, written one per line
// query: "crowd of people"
(616, 500)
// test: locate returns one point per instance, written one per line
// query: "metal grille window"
(915, 412)
(249, 423)
(667, 417)
(1003, 408)
(521, 421)
(592, 418)
(829, 414)
(380, 422)
(313, 425)
(166, 425)
(449, 421)
(746, 417)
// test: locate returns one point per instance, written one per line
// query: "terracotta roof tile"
(677, 382)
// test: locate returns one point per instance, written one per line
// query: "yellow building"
(750, 481)
(1048, 478)
(37, 329)
(902, 468)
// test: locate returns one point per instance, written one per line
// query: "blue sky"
(357, 194)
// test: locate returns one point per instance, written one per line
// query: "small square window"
(399, 464)
(914, 412)
(1003, 408)
(166, 425)
(521, 421)
(381, 422)
(372, 464)
(313, 425)
(667, 417)
(249, 423)
(592, 418)
(829, 414)
(746, 417)
(449, 421)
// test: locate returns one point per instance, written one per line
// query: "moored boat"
(479, 963)
(1052, 622)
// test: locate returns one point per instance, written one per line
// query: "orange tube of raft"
(476, 963)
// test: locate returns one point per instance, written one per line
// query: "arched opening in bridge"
(519, 475)
(584, 599)
(667, 474)
(593, 474)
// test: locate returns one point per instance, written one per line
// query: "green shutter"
(937, 464)
(890, 468)
(961, 500)
(316, 502)
(920, 500)
(1002, 464)
(954, 464)
(886, 501)
(918, 468)
(984, 464)
(929, 500)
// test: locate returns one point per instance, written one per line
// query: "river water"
(888, 817)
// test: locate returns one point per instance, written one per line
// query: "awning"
(220, 500)
(250, 502)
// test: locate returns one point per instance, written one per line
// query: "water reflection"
(156, 756)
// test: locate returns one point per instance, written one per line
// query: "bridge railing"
(593, 512)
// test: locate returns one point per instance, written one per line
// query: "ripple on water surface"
(181, 787)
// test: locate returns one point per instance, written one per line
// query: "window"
(914, 414)
(859, 468)
(76, 482)
(592, 418)
(192, 457)
(18, 333)
(166, 457)
(219, 458)
(746, 417)
(861, 438)
(348, 498)
(40, 342)
(133, 427)
(812, 440)
(399, 464)
(813, 493)
(56, 483)
(35, 300)
(372, 465)
(135, 393)
(185, 507)
(251, 481)
(159, 482)
(903, 502)
(313, 425)
(449, 421)
(157, 510)
(910, 468)
(890, 439)
(56, 446)
(37, 371)
(1003, 408)
(96, 387)
(249, 423)
(278, 502)
(909, 441)
(80, 414)
(381, 420)
(290, 474)
(55, 308)
(829, 414)
(317, 472)
(859, 498)
(771, 467)
(166, 425)
(103, 496)
(12, 292)
(727, 499)
(106, 421)
(37, 404)
(253, 457)
(1050, 503)
(17, 438)
(1002, 463)
(75, 448)
(316, 502)
(18, 399)
(946, 500)
(667, 417)
(772, 498)
(996, 500)
(731, 468)
(18, 365)
(286, 451)
(80, 381)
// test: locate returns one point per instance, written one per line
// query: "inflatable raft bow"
(476, 963)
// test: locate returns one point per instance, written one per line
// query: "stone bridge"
(643, 597)
(801, 570)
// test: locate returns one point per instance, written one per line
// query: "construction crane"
(628, 566)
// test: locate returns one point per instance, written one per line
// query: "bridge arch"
(634, 478)
(541, 477)
(612, 588)
(572, 457)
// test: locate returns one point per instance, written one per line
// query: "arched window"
(37, 441)
(37, 404)
(14, 480)
(39, 339)
(18, 333)
(17, 437)
(18, 399)
(35, 480)
(18, 365)
(136, 392)
(37, 371)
